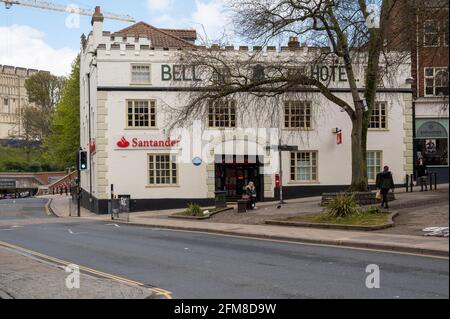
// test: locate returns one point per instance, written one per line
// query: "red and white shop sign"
(339, 137)
(144, 143)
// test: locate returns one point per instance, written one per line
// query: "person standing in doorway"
(250, 190)
(385, 183)
(422, 174)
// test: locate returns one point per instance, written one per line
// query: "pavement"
(22, 277)
(190, 265)
(249, 224)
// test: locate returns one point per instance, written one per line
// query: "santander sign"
(145, 143)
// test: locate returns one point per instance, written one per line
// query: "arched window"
(436, 81)
(441, 82)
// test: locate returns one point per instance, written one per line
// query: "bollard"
(407, 182)
(411, 182)
(435, 181)
(430, 180)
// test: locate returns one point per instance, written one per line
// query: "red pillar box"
(339, 137)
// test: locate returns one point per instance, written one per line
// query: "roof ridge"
(158, 30)
(178, 29)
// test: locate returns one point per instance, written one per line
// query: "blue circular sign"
(197, 161)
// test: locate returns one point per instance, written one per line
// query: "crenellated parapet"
(13, 70)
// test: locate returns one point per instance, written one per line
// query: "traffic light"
(83, 163)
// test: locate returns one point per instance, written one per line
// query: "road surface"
(198, 265)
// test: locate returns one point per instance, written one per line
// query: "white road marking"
(115, 225)
(11, 228)
(72, 233)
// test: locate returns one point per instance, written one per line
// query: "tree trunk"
(359, 143)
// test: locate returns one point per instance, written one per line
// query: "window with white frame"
(436, 82)
(141, 113)
(430, 33)
(140, 74)
(304, 166)
(162, 170)
(373, 162)
(297, 115)
(378, 118)
(222, 113)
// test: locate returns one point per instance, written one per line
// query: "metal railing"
(432, 182)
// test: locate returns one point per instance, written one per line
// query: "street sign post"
(282, 148)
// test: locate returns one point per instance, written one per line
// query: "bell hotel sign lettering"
(324, 73)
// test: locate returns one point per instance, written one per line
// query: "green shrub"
(373, 210)
(194, 210)
(342, 206)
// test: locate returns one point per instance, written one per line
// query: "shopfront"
(431, 145)
(233, 173)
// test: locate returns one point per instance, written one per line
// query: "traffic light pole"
(78, 184)
(281, 173)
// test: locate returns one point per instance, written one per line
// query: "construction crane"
(62, 8)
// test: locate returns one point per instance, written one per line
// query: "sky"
(49, 40)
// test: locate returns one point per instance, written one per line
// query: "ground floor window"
(304, 166)
(433, 150)
(234, 172)
(162, 169)
(431, 143)
(373, 160)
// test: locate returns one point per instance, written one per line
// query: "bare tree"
(339, 33)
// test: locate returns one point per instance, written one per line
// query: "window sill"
(141, 84)
(295, 129)
(378, 129)
(162, 186)
(141, 129)
(222, 128)
(303, 183)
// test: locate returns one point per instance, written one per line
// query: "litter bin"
(242, 205)
(220, 200)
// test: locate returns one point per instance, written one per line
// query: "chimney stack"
(98, 15)
(97, 26)
(293, 43)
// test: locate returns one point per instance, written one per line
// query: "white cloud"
(212, 16)
(159, 4)
(23, 46)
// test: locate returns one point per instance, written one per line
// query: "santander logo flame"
(123, 143)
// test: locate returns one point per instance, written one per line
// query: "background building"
(421, 26)
(430, 61)
(13, 99)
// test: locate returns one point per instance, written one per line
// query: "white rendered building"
(128, 88)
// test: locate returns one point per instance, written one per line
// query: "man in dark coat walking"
(385, 182)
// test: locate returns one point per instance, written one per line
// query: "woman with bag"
(385, 183)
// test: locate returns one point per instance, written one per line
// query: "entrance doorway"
(233, 173)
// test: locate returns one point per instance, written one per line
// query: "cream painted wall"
(127, 170)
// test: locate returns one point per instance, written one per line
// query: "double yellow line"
(158, 291)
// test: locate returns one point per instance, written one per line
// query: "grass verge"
(360, 218)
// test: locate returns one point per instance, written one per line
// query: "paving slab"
(23, 277)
